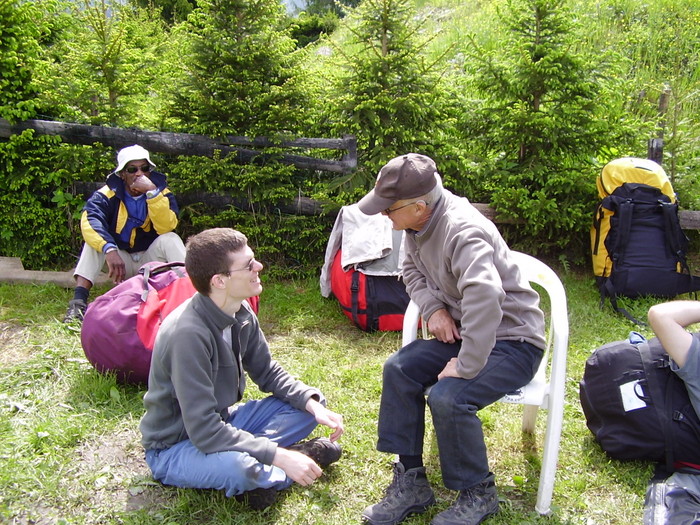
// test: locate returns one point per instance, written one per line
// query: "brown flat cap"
(404, 177)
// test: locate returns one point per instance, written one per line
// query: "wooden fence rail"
(192, 144)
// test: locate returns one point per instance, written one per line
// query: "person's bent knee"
(169, 247)
(442, 397)
(169, 237)
(392, 362)
(439, 399)
(392, 369)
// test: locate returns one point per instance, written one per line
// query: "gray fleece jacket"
(195, 378)
(460, 262)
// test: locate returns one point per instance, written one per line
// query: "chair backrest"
(538, 390)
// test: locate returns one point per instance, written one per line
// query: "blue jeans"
(184, 465)
(453, 402)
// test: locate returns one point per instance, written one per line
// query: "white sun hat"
(130, 153)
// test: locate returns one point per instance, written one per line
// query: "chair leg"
(529, 418)
(550, 456)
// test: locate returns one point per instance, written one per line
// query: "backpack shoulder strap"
(355, 291)
(624, 214)
(657, 392)
(677, 240)
(624, 211)
(607, 289)
(597, 220)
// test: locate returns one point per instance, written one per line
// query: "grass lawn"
(70, 449)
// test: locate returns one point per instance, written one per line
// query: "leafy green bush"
(33, 226)
(289, 245)
(19, 50)
(36, 211)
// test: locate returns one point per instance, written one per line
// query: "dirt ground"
(111, 468)
(122, 479)
(13, 344)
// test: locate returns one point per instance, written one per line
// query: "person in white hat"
(126, 223)
(489, 340)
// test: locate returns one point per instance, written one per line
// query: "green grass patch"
(71, 452)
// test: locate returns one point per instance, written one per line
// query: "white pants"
(166, 248)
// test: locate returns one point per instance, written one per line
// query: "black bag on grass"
(637, 407)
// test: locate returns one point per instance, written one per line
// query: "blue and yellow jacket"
(105, 222)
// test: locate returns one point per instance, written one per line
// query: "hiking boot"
(472, 506)
(408, 493)
(322, 450)
(258, 499)
(76, 311)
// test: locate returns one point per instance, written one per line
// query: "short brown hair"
(209, 253)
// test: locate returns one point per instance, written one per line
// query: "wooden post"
(655, 147)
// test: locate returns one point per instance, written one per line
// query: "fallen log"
(193, 144)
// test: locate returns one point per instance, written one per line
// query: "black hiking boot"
(258, 499)
(322, 450)
(472, 506)
(408, 493)
(76, 311)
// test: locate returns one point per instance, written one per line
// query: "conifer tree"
(241, 75)
(104, 65)
(389, 97)
(541, 120)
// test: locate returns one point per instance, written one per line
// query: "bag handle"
(149, 269)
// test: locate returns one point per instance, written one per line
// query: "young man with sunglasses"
(195, 432)
(126, 223)
(489, 340)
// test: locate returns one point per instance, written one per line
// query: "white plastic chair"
(543, 391)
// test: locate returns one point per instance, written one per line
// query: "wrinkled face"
(405, 214)
(244, 275)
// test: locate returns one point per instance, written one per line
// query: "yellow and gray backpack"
(637, 245)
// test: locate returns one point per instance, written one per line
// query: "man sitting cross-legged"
(193, 432)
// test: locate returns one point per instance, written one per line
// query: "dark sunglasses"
(133, 169)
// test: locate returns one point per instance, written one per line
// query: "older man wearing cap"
(126, 223)
(489, 336)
